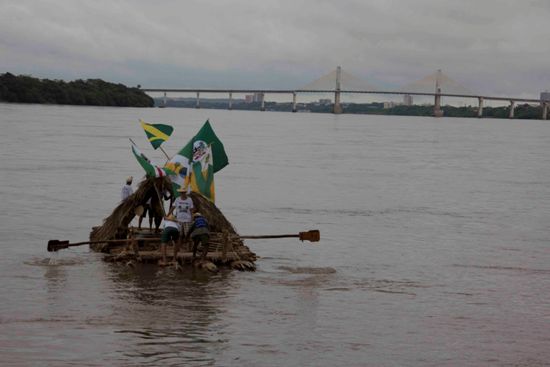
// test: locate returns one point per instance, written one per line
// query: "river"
(434, 243)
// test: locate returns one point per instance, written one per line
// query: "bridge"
(436, 85)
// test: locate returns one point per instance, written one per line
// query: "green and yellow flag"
(156, 133)
(151, 170)
(194, 165)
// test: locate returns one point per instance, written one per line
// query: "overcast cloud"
(494, 47)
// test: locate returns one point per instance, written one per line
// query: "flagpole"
(167, 157)
(166, 154)
(159, 197)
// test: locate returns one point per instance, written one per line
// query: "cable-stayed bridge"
(339, 79)
(340, 82)
(435, 81)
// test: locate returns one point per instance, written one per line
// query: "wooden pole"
(313, 236)
(166, 154)
(55, 245)
(271, 236)
(160, 198)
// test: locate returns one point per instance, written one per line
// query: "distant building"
(258, 97)
(407, 100)
(389, 105)
(325, 101)
(249, 98)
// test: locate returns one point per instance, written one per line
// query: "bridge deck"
(290, 91)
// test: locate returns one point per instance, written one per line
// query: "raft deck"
(224, 249)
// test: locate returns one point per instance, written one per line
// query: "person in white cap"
(183, 208)
(127, 189)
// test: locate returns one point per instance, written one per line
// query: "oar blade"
(54, 245)
(312, 236)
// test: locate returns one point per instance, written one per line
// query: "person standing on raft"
(171, 232)
(127, 189)
(147, 210)
(200, 233)
(183, 207)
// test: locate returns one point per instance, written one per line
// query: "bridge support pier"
(294, 102)
(438, 112)
(480, 108)
(512, 107)
(230, 101)
(164, 100)
(262, 97)
(337, 109)
(545, 110)
(198, 105)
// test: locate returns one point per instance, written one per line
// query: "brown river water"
(434, 251)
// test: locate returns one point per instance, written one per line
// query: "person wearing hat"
(127, 189)
(171, 232)
(200, 233)
(183, 208)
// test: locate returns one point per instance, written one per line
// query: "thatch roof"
(116, 224)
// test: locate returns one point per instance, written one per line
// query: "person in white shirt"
(170, 232)
(183, 209)
(127, 189)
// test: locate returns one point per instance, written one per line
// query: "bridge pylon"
(438, 112)
(337, 108)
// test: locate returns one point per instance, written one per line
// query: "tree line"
(522, 111)
(90, 92)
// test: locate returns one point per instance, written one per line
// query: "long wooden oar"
(55, 245)
(312, 236)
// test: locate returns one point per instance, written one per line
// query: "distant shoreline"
(90, 92)
(523, 111)
(96, 92)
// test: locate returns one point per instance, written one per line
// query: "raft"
(121, 242)
(143, 246)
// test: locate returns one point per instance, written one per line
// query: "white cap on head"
(129, 179)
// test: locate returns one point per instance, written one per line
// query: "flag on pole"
(156, 133)
(151, 170)
(194, 165)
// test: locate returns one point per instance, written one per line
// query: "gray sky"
(493, 47)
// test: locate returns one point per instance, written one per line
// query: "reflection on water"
(308, 270)
(172, 317)
(506, 268)
(53, 258)
(55, 276)
(55, 261)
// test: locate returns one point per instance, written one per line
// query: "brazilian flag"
(156, 133)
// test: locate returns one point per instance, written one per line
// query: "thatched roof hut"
(116, 224)
(226, 247)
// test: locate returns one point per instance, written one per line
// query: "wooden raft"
(224, 249)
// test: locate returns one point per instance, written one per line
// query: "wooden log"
(185, 257)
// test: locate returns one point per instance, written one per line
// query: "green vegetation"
(92, 92)
(523, 111)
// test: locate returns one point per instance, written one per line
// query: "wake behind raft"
(121, 242)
